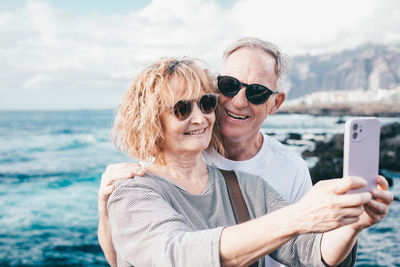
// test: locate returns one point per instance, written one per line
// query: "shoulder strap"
(235, 195)
(237, 201)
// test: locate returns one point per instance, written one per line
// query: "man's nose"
(240, 100)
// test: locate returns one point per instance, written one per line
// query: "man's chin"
(232, 132)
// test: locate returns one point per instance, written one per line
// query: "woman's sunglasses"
(255, 93)
(206, 103)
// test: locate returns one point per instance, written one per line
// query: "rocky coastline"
(378, 103)
(381, 109)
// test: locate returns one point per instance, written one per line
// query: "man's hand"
(112, 173)
(377, 208)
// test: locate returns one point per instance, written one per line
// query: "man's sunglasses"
(255, 93)
(206, 103)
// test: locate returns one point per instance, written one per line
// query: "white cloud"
(313, 26)
(50, 58)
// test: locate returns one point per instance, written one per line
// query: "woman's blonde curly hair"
(138, 129)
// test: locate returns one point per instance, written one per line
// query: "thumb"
(349, 182)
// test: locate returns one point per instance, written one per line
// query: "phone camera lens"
(355, 135)
(355, 126)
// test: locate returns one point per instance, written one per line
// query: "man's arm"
(112, 173)
(105, 241)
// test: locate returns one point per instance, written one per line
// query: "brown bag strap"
(237, 200)
(235, 195)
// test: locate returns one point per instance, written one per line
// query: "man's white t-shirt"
(284, 170)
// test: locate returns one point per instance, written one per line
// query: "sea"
(50, 169)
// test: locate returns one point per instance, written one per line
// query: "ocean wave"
(62, 246)
(13, 159)
(75, 144)
(25, 176)
(76, 141)
(53, 179)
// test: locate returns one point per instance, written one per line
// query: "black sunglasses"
(255, 93)
(183, 108)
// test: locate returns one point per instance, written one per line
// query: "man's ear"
(278, 100)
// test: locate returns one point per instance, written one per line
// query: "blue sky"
(71, 54)
(106, 7)
(110, 7)
(85, 6)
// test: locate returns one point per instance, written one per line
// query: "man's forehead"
(251, 65)
(254, 59)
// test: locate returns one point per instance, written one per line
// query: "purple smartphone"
(361, 150)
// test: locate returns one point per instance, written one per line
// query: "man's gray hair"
(282, 60)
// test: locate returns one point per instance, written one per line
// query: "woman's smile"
(196, 132)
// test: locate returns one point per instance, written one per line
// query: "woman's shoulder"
(251, 182)
(243, 177)
(247, 181)
(148, 182)
(137, 194)
(249, 176)
(255, 185)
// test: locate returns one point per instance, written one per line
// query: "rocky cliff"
(368, 67)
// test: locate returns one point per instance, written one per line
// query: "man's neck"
(243, 149)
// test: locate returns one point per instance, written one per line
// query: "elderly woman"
(180, 214)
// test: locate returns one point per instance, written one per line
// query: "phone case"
(361, 150)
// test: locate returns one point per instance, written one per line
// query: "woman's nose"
(197, 115)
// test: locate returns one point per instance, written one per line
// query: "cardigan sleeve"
(303, 250)
(147, 231)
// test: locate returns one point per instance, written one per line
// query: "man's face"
(239, 119)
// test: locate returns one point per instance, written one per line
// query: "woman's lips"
(196, 132)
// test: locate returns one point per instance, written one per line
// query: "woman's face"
(191, 135)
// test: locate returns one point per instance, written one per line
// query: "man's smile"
(236, 116)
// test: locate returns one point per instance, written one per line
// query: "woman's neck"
(191, 174)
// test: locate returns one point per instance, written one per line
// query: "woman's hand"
(113, 173)
(326, 206)
(377, 208)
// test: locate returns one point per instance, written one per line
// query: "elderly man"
(250, 91)
(254, 67)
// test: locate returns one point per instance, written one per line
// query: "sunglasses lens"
(208, 103)
(182, 109)
(228, 86)
(257, 94)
